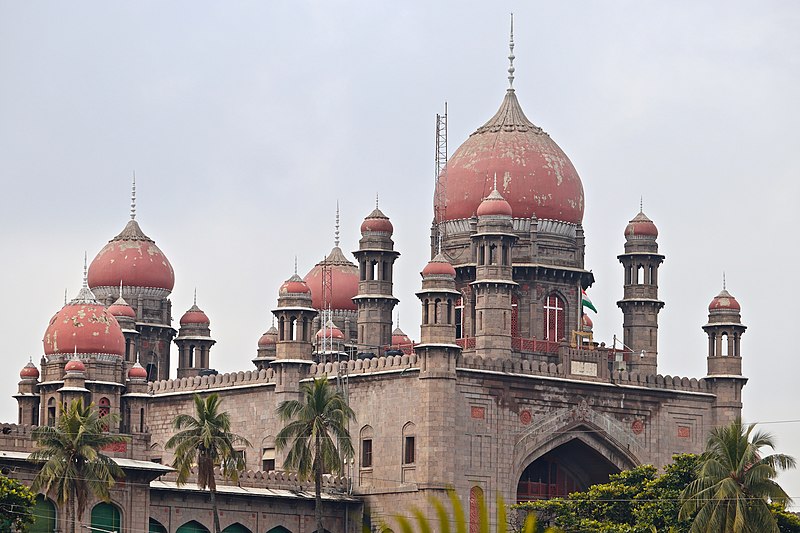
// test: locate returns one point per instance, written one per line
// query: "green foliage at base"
(16, 505)
(634, 501)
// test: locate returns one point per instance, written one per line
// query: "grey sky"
(246, 121)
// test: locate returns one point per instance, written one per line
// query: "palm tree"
(320, 416)
(735, 483)
(74, 468)
(206, 440)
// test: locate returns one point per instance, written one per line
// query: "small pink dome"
(75, 365)
(494, 205)
(724, 301)
(294, 285)
(641, 226)
(137, 372)
(120, 308)
(194, 316)
(439, 266)
(29, 371)
(269, 338)
(331, 333)
(399, 338)
(377, 222)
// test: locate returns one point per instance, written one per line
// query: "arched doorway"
(572, 466)
(44, 516)
(279, 529)
(106, 517)
(156, 527)
(192, 527)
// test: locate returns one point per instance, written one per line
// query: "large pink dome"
(533, 173)
(133, 259)
(84, 326)
(344, 281)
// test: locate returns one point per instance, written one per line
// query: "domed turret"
(194, 342)
(344, 281)
(29, 371)
(494, 205)
(269, 338)
(724, 302)
(137, 371)
(641, 227)
(294, 286)
(438, 266)
(194, 315)
(85, 327)
(377, 222)
(121, 309)
(330, 331)
(400, 340)
(75, 365)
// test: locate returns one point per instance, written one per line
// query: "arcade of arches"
(571, 467)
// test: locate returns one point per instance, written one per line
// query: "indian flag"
(586, 302)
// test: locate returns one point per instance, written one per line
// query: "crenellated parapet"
(274, 479)
(365, 366)
(218, 381)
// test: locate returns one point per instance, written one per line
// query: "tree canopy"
(16, 505)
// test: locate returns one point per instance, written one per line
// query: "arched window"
(192, 527)
(475, 499)
(514, 316)
(106, 517)
(724, 345)
(190, 358)
(449, 310)
(437, 311)
(459, 318)
(236, 528)
(104, 406)
(156, 527)
(409, 444)
(425, 311)
(554, 318)
(281, 329)
(493, 254)
(44, 516)
(640, 275)
(51, 412)
(365, 438)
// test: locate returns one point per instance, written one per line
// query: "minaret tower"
(724, 330)
(194, 342)
(28, 395)
(493, 275)
(294, 347)
(376, 257)
(640, 304)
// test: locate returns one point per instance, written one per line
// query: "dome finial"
(65, 296)
(724, 287)
(336, 231)
(376, 200)
(511, 56)
(85, 271)
(195, 296)
(133, 197)
(495, 181)
(295, 265)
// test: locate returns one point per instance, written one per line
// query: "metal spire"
(85, 272)
(495, 181)
(133, 197)
(511, 56)
(641, 204)
(336, 231)
(120, 288)
(295, 265)
(65, 296)
(723, 281)
(195, 295)
(376, 200)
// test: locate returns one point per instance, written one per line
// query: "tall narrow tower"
(494, 278)
(376, 257)
(194, 342)
(640, 304)
(725, 330)
(294, 347)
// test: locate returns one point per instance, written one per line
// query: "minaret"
(493, 276)
(194, 342)
(126, 317)
(376, 257)
(136, 400)
(724, 330)
(28, 395)
(266, 348)
(640, 304)
(294, 348)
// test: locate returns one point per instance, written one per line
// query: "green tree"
(74, 467)
(206, 440)
(314, 426)
(735, 483)
(634, 501)
(16, 505)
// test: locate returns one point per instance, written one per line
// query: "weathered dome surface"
(439, 266)
(134, 259)
(494, 205)
(194, 315)
(29, 371)
(268, 338)
(120, 308)
(533, 173)
(724, 301)
(377, 222)
(330, 331)
(344, 281)
(641, 226)
(75, 365)
(399, 338)
(137, 371)
(294, 285)
(84, 326)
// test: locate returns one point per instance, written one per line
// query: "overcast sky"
(246, 121)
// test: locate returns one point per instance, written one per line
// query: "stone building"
(506, 391)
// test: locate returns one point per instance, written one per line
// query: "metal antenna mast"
(440, 190)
